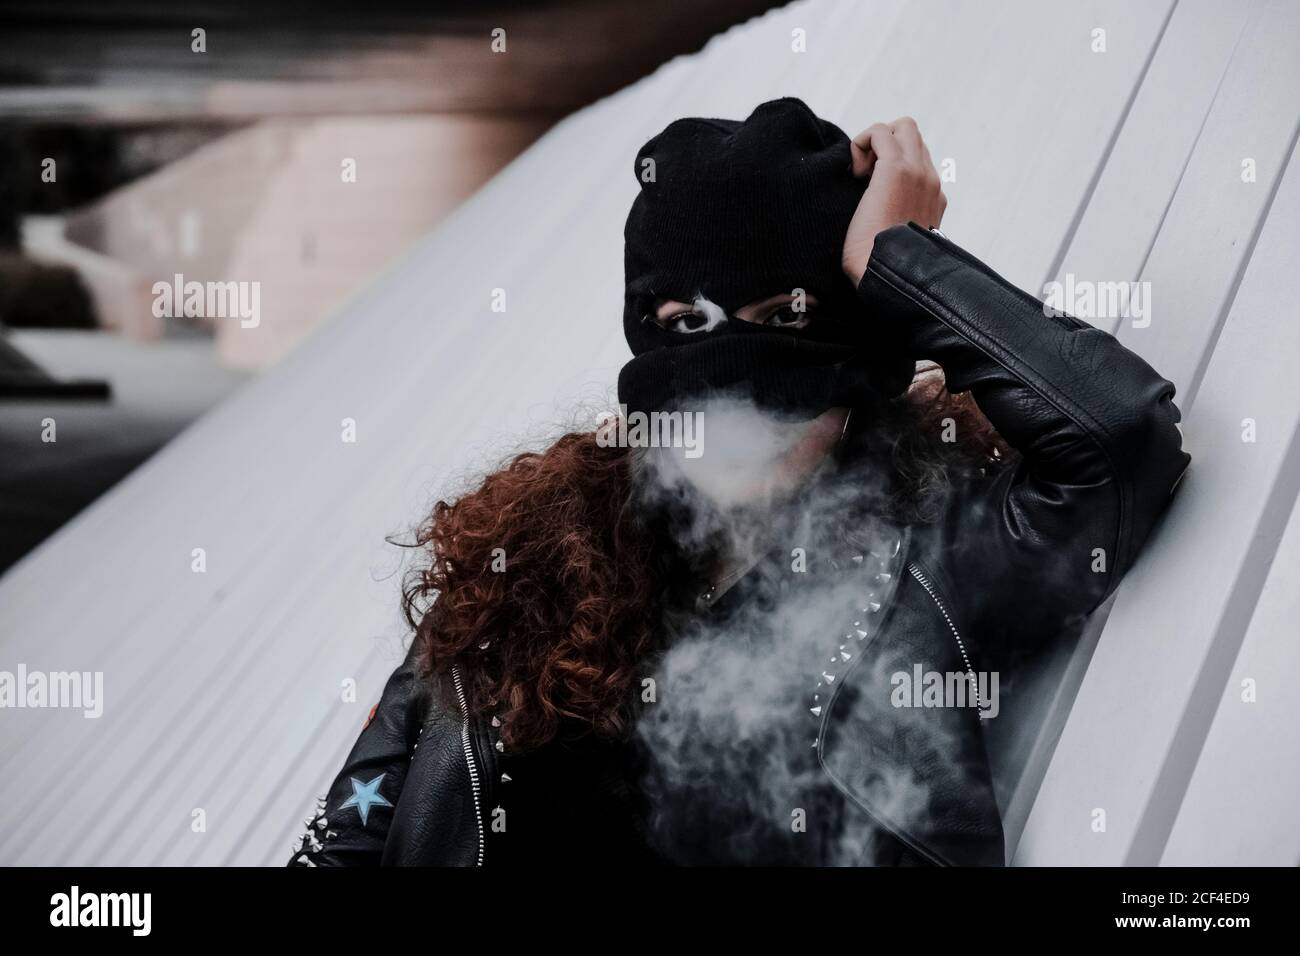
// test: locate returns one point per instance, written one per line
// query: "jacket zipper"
(469, 759)
(929, 589)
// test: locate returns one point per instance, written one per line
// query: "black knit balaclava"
(738, 212)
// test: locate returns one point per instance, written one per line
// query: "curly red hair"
(542, 578)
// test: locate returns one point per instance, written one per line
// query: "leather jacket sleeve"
(352, 823)
(1049, 536)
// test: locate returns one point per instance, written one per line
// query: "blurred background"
(133, 149)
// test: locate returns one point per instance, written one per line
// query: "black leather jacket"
(1032, 548)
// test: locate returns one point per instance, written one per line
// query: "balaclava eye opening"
(738, 212)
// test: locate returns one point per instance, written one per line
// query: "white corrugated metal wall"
(223, 688)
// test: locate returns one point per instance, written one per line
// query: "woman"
(634, 656)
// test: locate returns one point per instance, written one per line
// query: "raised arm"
(1093, 423)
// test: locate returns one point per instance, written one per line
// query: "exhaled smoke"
(733, 772)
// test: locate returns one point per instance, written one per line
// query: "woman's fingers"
(915, 154)
(863, 161)
(879, 139)
(896, 143)
(874, 143)
(904, 187)
(908, 137)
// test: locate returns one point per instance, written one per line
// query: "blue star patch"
(364, 796)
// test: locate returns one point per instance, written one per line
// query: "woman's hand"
(904, 187)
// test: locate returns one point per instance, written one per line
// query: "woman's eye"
(787, 318)
(685, 322)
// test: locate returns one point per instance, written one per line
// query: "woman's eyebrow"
(668, 306)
